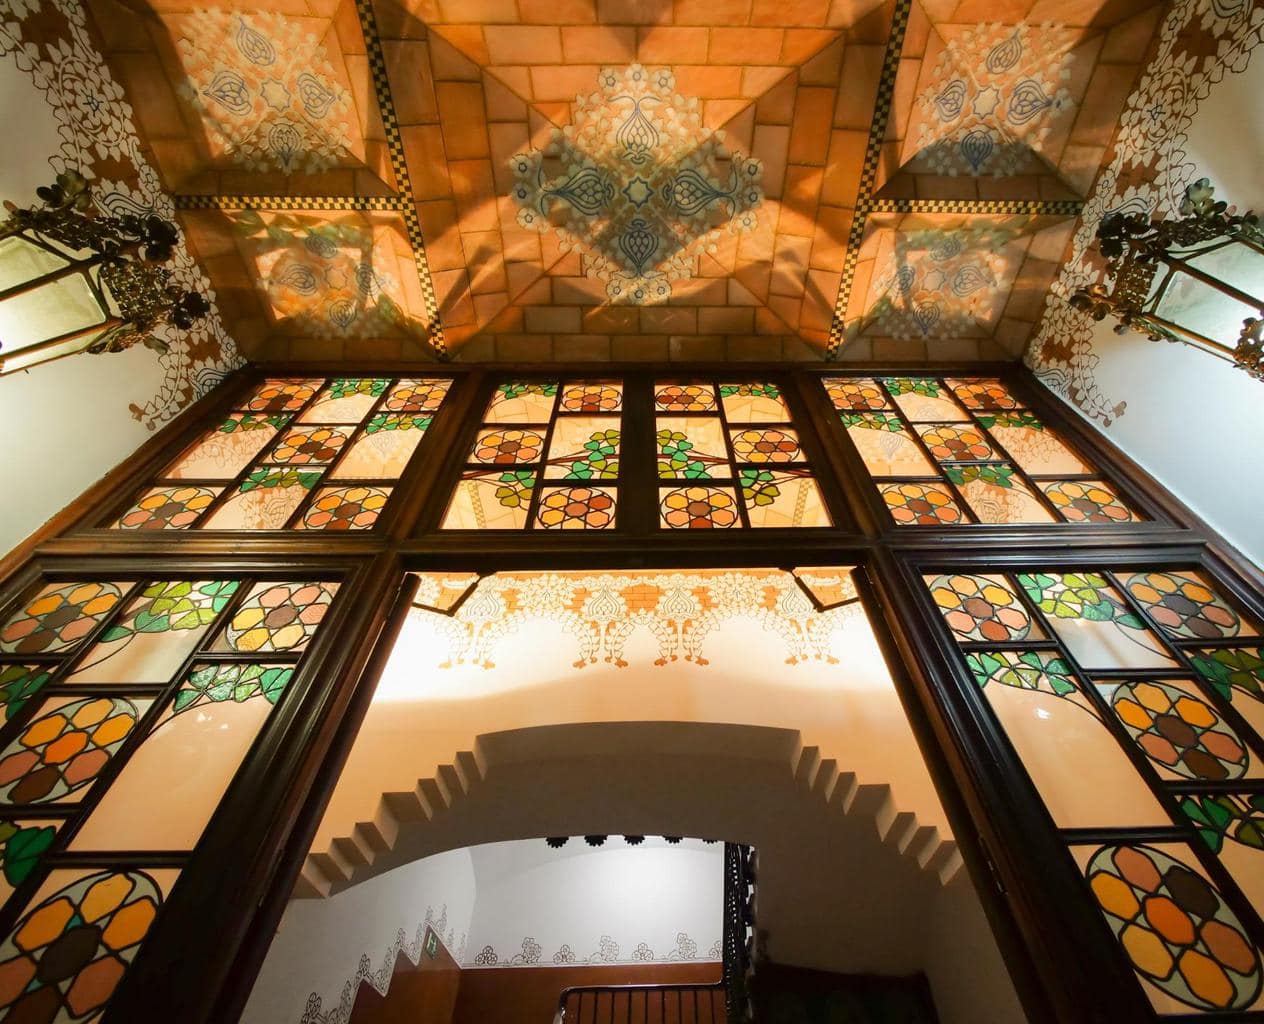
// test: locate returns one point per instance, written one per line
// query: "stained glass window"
(296, 454)
(128, 709)
(1134, 701)
(953, 451)
(728, 456)
(547, 457)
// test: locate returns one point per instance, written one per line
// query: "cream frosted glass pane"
(103, 915)
(923, 398)
(691, 448)
(994, 503)
(345, 401)
(1210, 312)
(584, 448)
(1091, 618)
(753, 403)
(1197, 957)
(1180, 732)
(885, 446)
(263, 508)
(781, 499)
(173, 782)
(521, 402)
(1231, 824)
(1076, 764)
(156, 633)
(47, 312)
(1033, 446)
(226, 450)
(382, 454)
(20, 261)
(490, 501)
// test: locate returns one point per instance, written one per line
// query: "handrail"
(715, 1010)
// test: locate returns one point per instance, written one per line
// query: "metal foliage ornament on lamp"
(75, 279)
(1211, 292)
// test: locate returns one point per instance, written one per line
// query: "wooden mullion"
(728, 449)
(533, 506)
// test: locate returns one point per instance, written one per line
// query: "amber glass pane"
(75, 940)
(584, 448)
(520, 402)
(775, 498)
(592, 396)
(383, 450)
(275, 396)
(508, 446)
(765, 445)
(1186, 944)
(982, 393)
(491, 501)
(1092, 619)
(855, 394)
(168, 508)
(956, 442)
(670, 397)
(576, 508)
(173, 782)
(413, 395)
(1076, 764)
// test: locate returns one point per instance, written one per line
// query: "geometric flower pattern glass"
(547, 457)
(1123, 694)
(94, 773)
(947, 452)
(258, 469)
(727, 456)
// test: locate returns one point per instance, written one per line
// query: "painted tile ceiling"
(628, 179)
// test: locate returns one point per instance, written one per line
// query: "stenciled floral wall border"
(50, 41)
(1148, 168)
(608, 953)
(380, 979)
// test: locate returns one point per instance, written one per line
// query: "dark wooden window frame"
(204, 950)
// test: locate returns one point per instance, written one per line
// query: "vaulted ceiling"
(596, 179)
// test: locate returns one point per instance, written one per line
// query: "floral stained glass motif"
(691, 448)
(982, 608)
(65, 748)
(1183, 605)
(168, 508)
(595, 397)
(491, 501)
(766, 444)
(1024, 670)
(214, 684)
(753, 403)
(68, 953)
(692, 508)
(345, 508)
(260, 467)
(18, 684)
(508, 446)
(917, 504)
(1175, 928)
(972, 440)
(22, 845)
(1178, 730)
(58, 617)
(685, 398)
(576, 508)
(277, 617)
(522, 402)
(584, 448)
(1232, 669)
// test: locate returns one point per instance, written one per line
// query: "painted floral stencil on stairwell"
(637, 184)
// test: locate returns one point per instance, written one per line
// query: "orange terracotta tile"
(452, 290)
(475, 192)
(671, 45)
(746, 45)
(1126, 43)
(150, 93)
(861, 67)
(696, 348)
(669, 320)
(819, 298)
(758, 80)
(555, 114)
(579, 291)
(776, 106)
(799, 201)
(507, 139)
(409, 62)
(726, 320)
(522, 278)
(740, 295)
(753, 277)
(524, 348)
(767, 323)
(553, 319)
(484, 261)
(563, 82)
(739, 128)
(809, 132)
(612, 320)
(523, 44)
(396, 22)
(520, 245)
(718, 113)
(427, 168)
(634, 12)
(448, 64)
(789, 12)
(439, 229)
(462, 116)
(698, 291)
(471, 347)
(772, 144)
(709, 82)
(712, 12)
(842, 168)
(640, 349)
(787, 307)
(584, 44)
(829, 244)
(479, 11)
(558, 12)
(802, 44)
(1097, 118)
(826, 67)
(503, 104)
(467, 39)
(516, 79)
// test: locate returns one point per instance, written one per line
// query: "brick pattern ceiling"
(628, 179)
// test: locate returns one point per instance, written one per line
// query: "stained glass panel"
(58, 617)
(956, 442)
(507, 446)
(1087, 501)
(1187, 946)
(754, 403)
(282, 395)
(996, 494)
(263, 501)
(923, 399)
(1184, 605)
(228, 449)
(693, 508)
(885, 445)
(781, 499)
(522, 402)
(1236, 675)
(917, 504)
(70, 949)
(1035, 448)
(345, 400)
(691, 448)
(491, 501)
(1232, 826)
(65, 747)
(592, 397)
(981, 393)
(983, 608)
(23, 843)
(411, 396)
(18, 683)
(685, 398)
(168, 508)
(765, 444)
(855, 394)
(584, 448)
(345, 508)
(383, 449)
(277, 617)
(576, 508)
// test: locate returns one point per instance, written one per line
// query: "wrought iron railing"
(727, 1000)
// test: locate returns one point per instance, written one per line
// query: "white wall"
(609, 904)
(324, 947)
(1190, 419)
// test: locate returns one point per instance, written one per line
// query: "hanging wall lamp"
(75, 279)
(1198, 280)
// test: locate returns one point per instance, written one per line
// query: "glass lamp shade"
(1213, 305)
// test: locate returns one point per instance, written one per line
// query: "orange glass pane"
(576, 508)
(1185, 605)
(765, 445)
(282, 395)
(417, 395)
(918, 504)
(698, 508)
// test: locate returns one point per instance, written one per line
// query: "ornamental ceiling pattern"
(629, 179)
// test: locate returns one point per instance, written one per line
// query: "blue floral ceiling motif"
(637, 184)
(995, 94)
(938, 283)
(265, 91)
